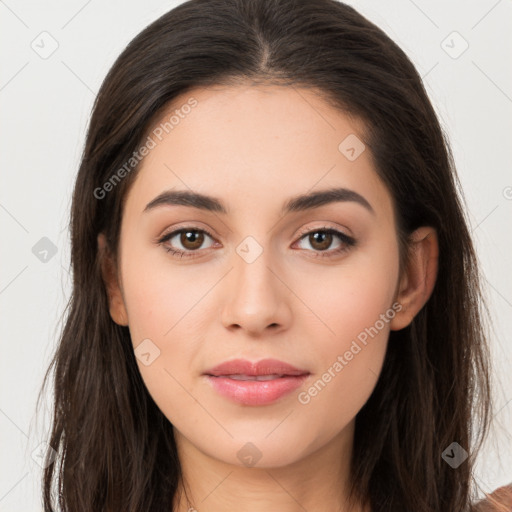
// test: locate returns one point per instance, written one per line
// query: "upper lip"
(263, 367)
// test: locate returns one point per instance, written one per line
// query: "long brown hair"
(116, 448)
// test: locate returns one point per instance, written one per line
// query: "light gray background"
(45, 106)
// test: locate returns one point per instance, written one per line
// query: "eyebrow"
(295, 204)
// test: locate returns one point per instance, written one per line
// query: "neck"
(317, 482)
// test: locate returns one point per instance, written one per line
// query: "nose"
(257, 298)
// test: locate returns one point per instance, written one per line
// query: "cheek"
(355, 306)
(162, 305)
(159, 294)
(351, 299)
(168, 309)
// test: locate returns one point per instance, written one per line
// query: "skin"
(254, 147)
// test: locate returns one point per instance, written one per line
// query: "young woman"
(276, 300)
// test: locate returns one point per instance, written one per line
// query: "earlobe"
(117, 307)
(419, 277)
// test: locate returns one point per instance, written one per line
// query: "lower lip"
(254, 392)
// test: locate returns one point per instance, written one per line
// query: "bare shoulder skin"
(499, 501)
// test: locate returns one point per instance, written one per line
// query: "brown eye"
(191, 239)
(184, 242)
(320, 240)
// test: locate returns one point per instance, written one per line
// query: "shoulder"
(498, 501)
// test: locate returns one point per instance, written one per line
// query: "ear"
(418, 278)
(109, 273)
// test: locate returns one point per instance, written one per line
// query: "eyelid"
(176, 229)
(306, 231)
(166, 236)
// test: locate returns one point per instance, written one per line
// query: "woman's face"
(262, 276)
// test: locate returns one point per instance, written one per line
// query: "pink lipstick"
(259, 383)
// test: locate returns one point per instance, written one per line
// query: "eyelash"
(348, 241)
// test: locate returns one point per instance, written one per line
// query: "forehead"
(248, 144)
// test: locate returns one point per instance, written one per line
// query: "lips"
(252, 377)
(254, 384)
(264, 368)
